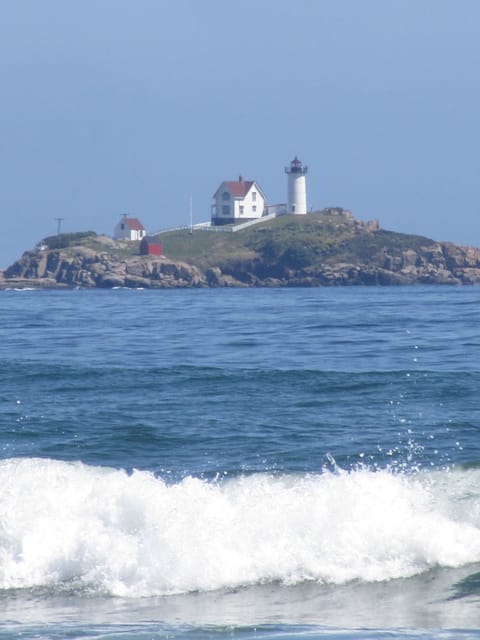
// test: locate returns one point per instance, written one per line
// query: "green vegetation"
(64, 240)
(122, 249)
(207, 248)
(329, 247)
(274, 248)
(366, 247)
(328, 236)
(90, 240)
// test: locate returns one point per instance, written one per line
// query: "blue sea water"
(261, 463)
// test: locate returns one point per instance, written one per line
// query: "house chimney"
(240, 178)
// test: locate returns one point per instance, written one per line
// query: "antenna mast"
(191, 214)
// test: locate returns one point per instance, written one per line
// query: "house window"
(226, 195)
(241, 209)
(254, 208)
(254, 196)
(226, 210)
(122, 226)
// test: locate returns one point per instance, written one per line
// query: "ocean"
(259, 464)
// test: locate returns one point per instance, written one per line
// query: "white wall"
(297, 193)
(126, 233)
(253, 206)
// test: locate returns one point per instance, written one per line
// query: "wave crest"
(135, 535)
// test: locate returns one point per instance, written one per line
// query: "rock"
(83, 267)
(135, 282)
(359, 257)
(214, 277)
(409, 258)
(110, 281)
(468, 275)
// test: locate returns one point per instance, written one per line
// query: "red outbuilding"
(150, 246)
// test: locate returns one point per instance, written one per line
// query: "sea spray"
(134, 535)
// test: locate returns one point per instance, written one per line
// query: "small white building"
(237, 201)
(129, 229)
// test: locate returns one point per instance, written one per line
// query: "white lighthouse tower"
(297, 187)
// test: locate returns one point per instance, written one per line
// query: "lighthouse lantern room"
(297, 187)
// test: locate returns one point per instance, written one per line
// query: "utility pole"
(59, 223)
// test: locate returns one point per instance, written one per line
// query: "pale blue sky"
(112, 106)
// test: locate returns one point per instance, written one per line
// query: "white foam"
(134, 535)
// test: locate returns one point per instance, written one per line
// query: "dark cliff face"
(351, 253)
(441, 263)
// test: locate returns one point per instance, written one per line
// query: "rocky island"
(325, 248)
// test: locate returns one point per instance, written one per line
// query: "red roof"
(134, 224)
(239, 188)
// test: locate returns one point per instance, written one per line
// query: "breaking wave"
(69, 524)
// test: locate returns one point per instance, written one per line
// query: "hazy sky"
(112, 106)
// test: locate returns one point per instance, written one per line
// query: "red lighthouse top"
(296, 167)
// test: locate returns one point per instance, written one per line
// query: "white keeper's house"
(237, 201)
(129, 229)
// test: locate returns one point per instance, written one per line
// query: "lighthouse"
(297, 187)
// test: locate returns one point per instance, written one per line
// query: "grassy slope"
(324, 237)
(90, 240)
(321, 237)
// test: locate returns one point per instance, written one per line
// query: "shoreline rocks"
(80, 267)
(83, 267)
